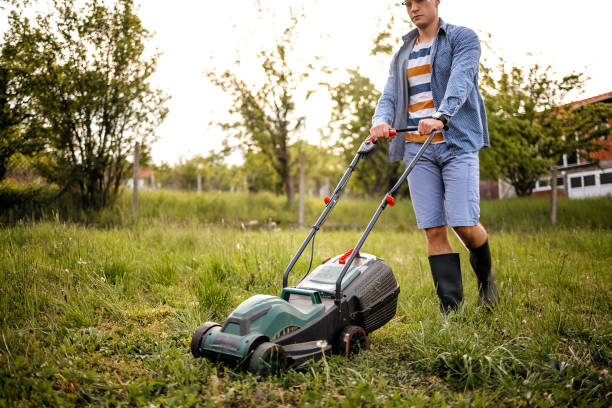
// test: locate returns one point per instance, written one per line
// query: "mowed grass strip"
(105, 317)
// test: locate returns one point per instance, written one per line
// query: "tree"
(259, 175)
(354, 105)
(89, 89)
(19, 130)
(324, 167)
(266, 113)
(531, 127)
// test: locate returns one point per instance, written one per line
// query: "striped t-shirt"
(421, 104)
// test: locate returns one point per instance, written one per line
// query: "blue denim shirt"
(454, 85)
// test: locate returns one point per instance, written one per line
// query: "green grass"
(235, 209)
(104, 316)
(162, 207)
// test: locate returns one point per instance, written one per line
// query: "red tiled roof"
(593, 99)
(144, 172)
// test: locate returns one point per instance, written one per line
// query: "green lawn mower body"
(305, 320)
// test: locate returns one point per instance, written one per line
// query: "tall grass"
(265, 209)
(104, 316)
(236, 209)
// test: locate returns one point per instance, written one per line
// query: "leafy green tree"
(324, 167)
(259, 175)
(530, 125)
(19, 130)
(89, 88)
(389, 39)
(266, 116)
(354, 105)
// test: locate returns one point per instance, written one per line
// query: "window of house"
(605, 178)
(589, 180)
(543, 183)
(576, 182)
(559, 181)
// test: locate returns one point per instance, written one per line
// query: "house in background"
(580, 178)
(146, 179)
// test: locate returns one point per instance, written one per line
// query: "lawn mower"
(331, 310)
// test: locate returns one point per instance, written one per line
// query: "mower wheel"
(352, 339)
(196, 339)
(268, 359)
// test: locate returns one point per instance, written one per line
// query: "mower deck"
(306, 321)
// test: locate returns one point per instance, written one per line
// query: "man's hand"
(381, 131)
(426, 126)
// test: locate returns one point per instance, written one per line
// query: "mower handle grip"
(394, 132)
(367, 146)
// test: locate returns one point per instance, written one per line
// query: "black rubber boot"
(446, 272)
(480, 259)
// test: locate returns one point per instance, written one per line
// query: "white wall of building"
(593, 183)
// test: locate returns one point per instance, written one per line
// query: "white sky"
(199, 35)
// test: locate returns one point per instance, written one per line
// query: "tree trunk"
(523, 187)
(553, 196)
(3, 168)
(286, 178)
(289, 187)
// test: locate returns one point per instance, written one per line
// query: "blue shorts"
(444, 189)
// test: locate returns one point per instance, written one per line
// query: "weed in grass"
(214, 297)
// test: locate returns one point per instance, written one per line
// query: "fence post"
(135, 179)
(302, 188)
(553, 196)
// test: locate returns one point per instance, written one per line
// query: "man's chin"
(422, 22)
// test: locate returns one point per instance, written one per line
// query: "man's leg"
(476, 240)
(427, 195)
(445, 268)
(462, 203)
(473, 236)
(437, 241)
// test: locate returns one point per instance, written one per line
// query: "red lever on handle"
(326, 200)
(390, 200)
(392, 132)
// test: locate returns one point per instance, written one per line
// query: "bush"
(30, 200)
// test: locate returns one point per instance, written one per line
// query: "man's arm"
(385, 109)
(464, 68)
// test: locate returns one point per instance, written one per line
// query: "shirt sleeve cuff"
(379, 120)
(446, 110)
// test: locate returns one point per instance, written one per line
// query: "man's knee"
(472, 236)
(436, 234)
(465, 232)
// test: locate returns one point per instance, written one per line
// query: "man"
(433, 83)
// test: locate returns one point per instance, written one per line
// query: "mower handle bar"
(380, 209)
(366, 147)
